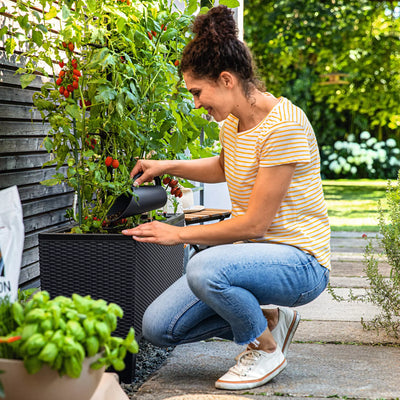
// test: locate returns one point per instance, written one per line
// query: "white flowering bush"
(362, 157)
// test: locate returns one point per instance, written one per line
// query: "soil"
(149, 359)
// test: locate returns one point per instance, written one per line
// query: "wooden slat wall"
(21, 159)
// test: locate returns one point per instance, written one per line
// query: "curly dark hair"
(216, 48)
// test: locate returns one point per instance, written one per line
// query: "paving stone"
(343, 332)
(332, 355)
(346, 282)
(354, 268)
(325, 308)
(314, 370)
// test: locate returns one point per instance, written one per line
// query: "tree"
(298, 45)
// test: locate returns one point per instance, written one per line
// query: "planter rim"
(64, 234)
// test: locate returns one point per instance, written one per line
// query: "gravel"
(149, 359)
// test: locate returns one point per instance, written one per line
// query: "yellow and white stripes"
(284, 136)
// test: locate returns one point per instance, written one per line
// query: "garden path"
(332, 356)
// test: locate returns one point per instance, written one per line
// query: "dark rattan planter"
(112, 267)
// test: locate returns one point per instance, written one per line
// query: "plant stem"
(76, 156)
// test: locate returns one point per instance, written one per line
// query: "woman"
(275, 248)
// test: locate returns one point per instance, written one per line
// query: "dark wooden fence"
(21, 158)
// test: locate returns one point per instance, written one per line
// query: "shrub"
(363, 157)
(385, 292)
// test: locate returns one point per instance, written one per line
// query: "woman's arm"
(268, 192)
(207, 170)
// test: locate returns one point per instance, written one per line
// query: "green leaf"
(120, 105)
(26, 79)
(23, 21)
(37, 37)
(11, 44)
(74, 111)
(230, 3)
(61, 153)
(50, 182)
(37, 15)
(65, 12)
(51, 14)
(140, 37)
(48, 144)
(171, 33)
(91, 4)
(42, 27)
(3, 31)
(192, 7)
(203, 10)
(177, 141)
(105, 94)
(121, 24)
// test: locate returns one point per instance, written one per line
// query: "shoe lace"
(245, 362)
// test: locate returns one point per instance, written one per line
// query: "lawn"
(353, 204)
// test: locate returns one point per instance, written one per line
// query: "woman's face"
(212, 95)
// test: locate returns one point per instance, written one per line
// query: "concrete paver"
(314, 370)
(332, 356)
(324, 308)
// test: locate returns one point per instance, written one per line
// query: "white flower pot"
(47, 384)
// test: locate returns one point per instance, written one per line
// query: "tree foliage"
(299, 45)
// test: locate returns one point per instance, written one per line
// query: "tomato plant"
(113, 92)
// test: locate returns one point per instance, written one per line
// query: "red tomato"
(108, 161)
(115, 164)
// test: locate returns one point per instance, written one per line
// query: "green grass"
(353, 204)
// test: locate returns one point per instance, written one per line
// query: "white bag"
(11, 242)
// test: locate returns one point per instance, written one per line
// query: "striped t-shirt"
(284, 136)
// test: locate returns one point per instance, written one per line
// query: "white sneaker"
(254, 368)
(285, 329)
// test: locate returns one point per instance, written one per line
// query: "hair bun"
(217, 25)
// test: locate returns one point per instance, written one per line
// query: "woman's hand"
(149, 169)
(208, 170)
(155, 232)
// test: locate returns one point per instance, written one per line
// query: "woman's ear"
(227, 79)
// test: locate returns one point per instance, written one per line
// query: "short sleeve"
(284, 143)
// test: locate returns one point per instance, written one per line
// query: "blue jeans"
(221, 293)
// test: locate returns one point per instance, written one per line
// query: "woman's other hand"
(155, 232)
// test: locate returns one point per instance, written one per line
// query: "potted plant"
(59, 347)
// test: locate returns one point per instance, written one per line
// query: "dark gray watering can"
(145, 198)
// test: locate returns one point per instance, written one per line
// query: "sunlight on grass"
(353, 204)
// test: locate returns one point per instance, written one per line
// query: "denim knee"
(152, 330)
(199, 276)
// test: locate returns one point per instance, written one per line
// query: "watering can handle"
(157, 179)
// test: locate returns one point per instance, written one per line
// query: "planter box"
(112, 267)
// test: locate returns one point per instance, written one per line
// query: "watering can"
(144, 198)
